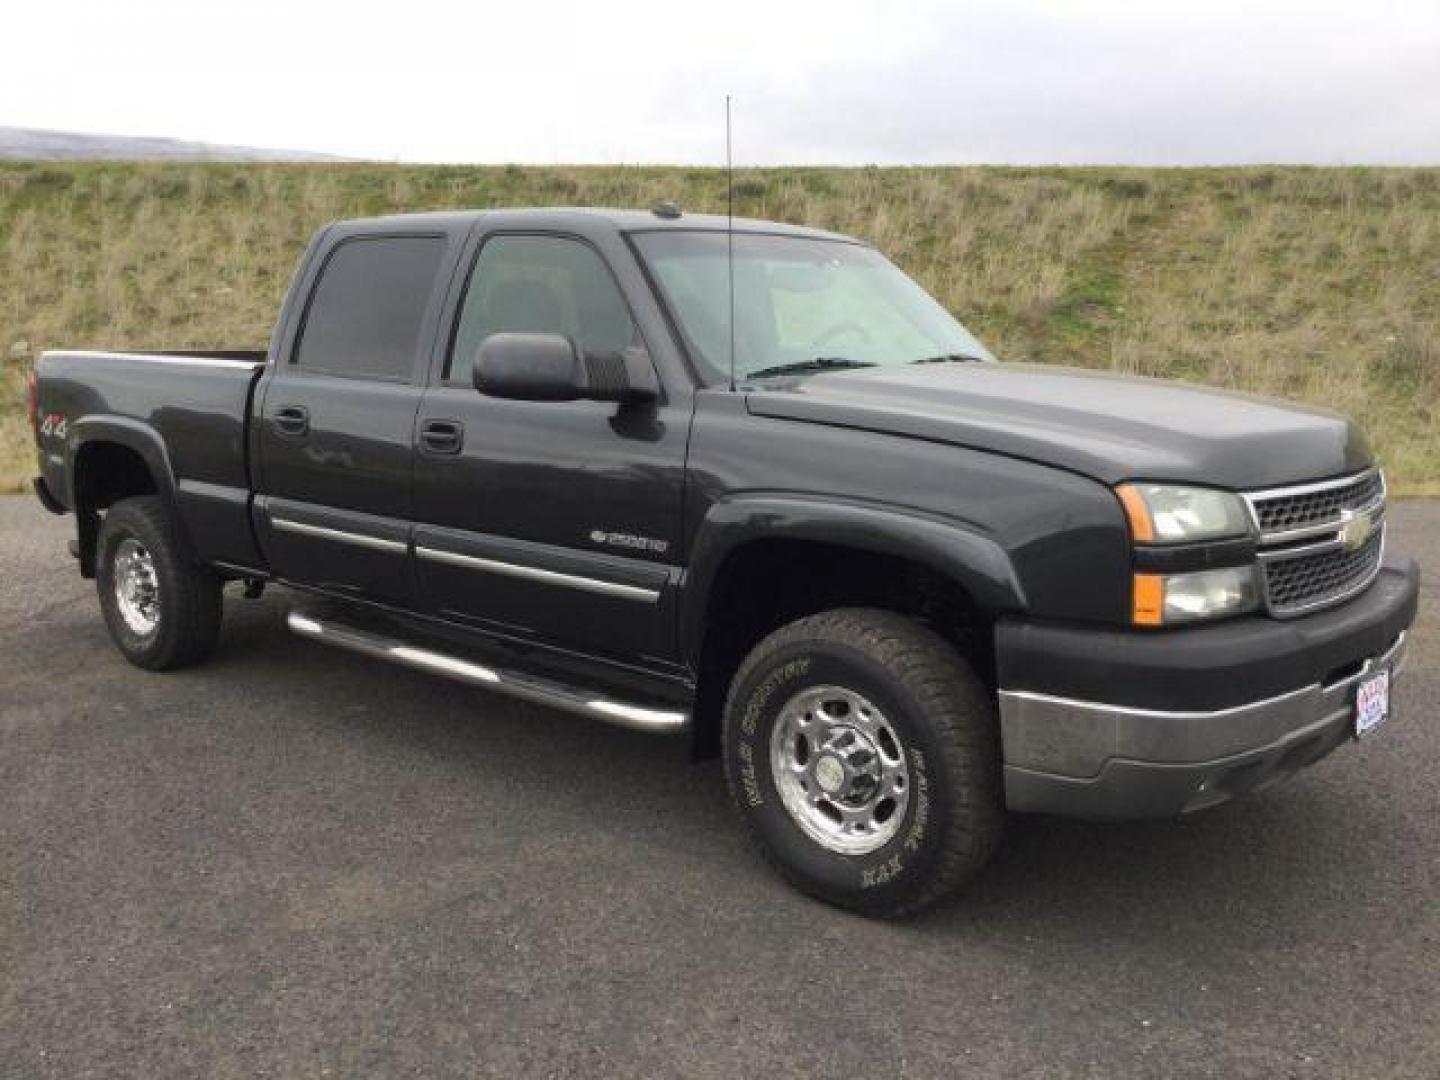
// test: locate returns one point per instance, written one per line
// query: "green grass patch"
(1321, 285)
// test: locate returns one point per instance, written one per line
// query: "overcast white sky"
(843, 81)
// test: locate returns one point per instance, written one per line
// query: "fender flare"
(134, 435)
(960, 552)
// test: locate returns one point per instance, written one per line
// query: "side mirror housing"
(529, 367)
(548, 367)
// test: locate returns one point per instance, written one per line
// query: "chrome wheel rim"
(840, 769)
(137, 587)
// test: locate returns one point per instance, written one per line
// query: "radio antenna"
(730, 235)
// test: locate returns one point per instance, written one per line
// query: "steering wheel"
(840, 329)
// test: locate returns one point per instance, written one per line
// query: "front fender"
(968, 557)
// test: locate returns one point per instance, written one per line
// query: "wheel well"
(767, 583)
(105, 473)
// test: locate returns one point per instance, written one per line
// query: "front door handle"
(293, 419)
(442, 436)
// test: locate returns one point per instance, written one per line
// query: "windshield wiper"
(801, 367)
(950, 358)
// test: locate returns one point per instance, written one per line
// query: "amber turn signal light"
(1148, 600)
(1142, 530)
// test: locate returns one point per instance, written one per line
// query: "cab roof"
(581, 220)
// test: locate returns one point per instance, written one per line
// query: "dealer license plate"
(1372, 703)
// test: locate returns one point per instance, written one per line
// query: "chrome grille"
(1319, 543)
(1298, 582)
(1311, 504)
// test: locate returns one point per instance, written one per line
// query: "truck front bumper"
(1117, 725)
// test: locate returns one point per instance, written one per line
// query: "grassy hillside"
(1315, 284)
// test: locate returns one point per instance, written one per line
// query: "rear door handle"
(293, 419)
(443, 436)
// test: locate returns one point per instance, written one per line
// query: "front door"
(557, 522)
(337, 421)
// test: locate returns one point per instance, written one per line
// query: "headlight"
(1166, 599)
(1169, 513)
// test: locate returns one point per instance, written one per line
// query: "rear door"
(557, 522)
(338, 415)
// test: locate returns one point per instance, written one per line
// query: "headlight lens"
(1166, 599)
(1170, 513)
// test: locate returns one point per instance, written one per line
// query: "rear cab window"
(367, 309)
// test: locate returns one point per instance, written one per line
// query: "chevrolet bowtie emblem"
(1355, 529)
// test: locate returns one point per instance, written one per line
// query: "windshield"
(801, 306)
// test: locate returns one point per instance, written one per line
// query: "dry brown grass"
(1316, 284)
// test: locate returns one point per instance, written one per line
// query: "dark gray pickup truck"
(900, 587)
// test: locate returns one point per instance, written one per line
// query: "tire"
(172, 618)
(905, 720)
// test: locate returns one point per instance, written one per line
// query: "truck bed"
(196, 402)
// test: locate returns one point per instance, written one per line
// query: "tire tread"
(960, 711)
(190, 620)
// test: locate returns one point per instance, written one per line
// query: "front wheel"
(862, 755)
(162, 611)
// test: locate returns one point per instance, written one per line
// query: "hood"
(1109, 427)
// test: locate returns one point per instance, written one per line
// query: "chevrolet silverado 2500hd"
(899, 586)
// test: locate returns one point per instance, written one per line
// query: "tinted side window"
(366, 311)
(544, 285)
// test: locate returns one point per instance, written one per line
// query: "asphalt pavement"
(298, 862)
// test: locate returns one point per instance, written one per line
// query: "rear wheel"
(162, 611)
(861, 752)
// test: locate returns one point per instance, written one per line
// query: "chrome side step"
(526, 687)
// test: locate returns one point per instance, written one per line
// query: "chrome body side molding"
(152, 358)
(375, 543)
(534, 573)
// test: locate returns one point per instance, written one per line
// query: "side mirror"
(529, 367)
(548, 367)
